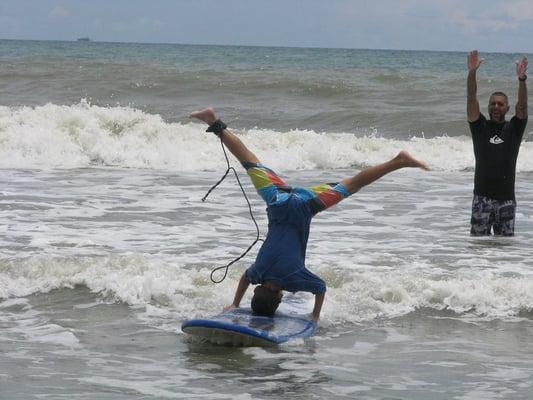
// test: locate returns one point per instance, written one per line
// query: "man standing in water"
(496, 144)
(280, 263)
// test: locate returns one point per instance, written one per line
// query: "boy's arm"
(239, 293)
(319, 300)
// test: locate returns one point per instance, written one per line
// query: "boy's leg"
(267, 183)
(232, 142)
(328, 194)
(371, 174)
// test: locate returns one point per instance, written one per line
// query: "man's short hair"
(265, 301)
(499, 94)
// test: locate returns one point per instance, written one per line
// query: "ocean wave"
(85, 135)
(387, 295)
(185, 290)
(132, 279)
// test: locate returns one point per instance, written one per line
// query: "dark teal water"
(396, 93)
(245, 57)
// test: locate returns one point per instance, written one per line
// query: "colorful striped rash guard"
(281, 259)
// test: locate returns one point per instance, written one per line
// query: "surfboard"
(239, 327)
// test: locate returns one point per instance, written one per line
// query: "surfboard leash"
(257, 238)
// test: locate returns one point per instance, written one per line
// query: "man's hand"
(474, 61)
(521, 68)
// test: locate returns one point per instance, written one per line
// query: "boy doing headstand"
(280, 263)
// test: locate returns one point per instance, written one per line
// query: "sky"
(451, 25)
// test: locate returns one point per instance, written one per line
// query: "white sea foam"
(145, 238)
(387, 295)
(353, 295)
(81, 135)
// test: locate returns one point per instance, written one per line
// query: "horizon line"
(90, 41)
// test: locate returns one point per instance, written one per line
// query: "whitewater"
(106, 245)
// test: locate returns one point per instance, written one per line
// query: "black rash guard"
(496, 146)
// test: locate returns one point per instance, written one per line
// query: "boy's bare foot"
(207, 115)
(409, 161)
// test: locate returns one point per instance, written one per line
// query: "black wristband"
(522, 79)
(217, 127)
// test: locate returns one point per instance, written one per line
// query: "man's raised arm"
(472, 104)
(521, 105)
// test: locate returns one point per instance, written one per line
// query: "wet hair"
(499, 94)
(265, 301)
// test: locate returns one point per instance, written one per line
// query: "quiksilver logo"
(496, 140)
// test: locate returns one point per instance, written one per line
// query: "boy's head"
(265, 301)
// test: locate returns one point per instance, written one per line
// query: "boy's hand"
(229, 307)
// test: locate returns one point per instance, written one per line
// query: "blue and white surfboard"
(239, 327)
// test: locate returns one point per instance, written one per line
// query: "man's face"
(498, 107)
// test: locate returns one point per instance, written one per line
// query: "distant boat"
(84, 39)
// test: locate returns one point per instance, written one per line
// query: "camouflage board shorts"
(488, 214)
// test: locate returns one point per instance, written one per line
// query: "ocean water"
(106, 246)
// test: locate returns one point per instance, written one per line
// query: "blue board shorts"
(281, 259)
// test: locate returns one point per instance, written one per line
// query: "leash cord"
(230, 168)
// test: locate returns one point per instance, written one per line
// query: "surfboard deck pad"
(239, 327)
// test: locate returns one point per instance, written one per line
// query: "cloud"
(151, 23)
(59, 12)
(521, 11)
(9, 26)
(406, 24)
(478, 25)
(509, 16)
